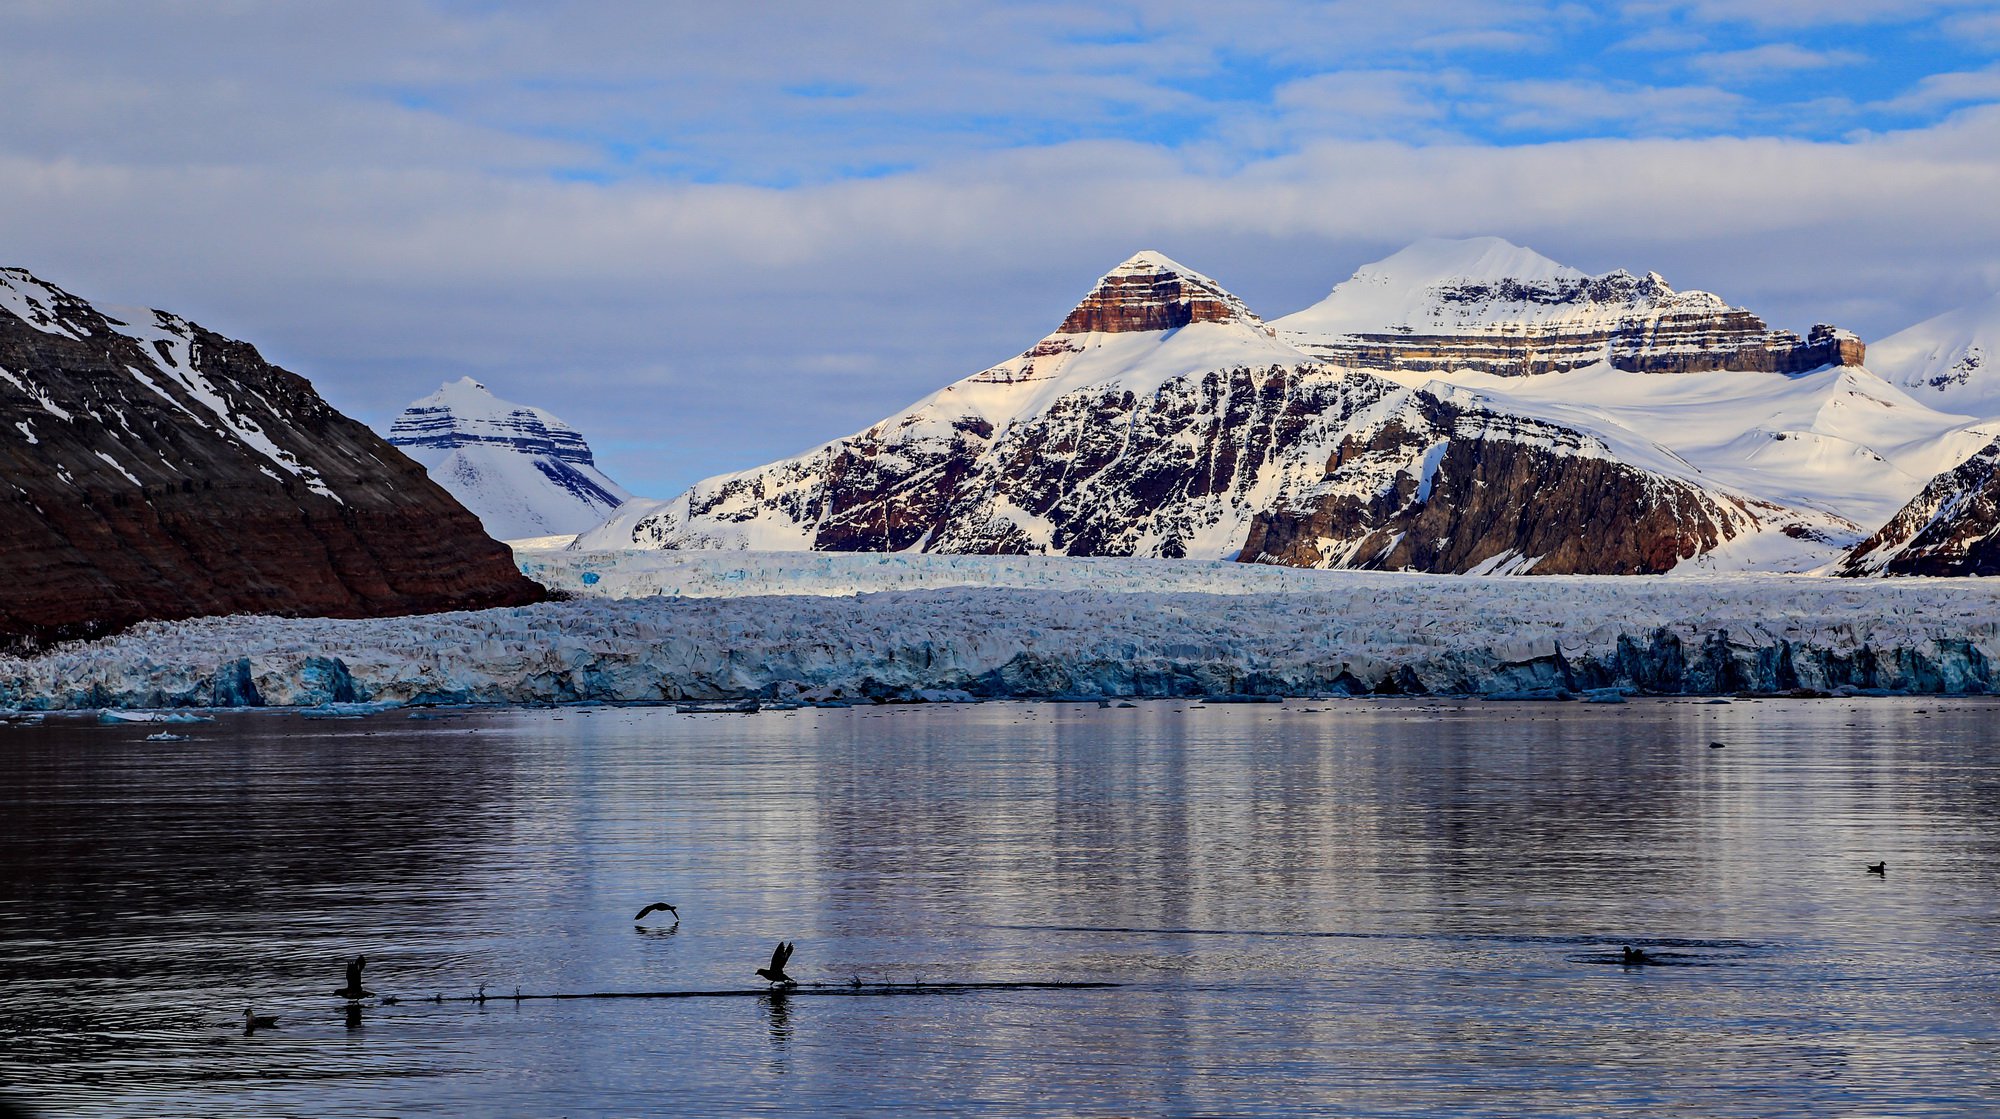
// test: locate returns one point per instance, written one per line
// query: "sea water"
(1353, 907)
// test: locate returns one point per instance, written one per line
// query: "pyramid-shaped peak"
(1474, 259)
(1151, 291)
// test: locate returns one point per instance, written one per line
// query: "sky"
(714, 235)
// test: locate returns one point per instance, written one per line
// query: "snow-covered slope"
(524, 472)
(1838, 440)
(1163, 418)
(1948, 362)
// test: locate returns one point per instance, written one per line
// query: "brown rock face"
(1493, 494)
(1150, 292)
(156, 470)
(1951, 528)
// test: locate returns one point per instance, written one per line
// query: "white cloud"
(1769, 61)
(1941, 90)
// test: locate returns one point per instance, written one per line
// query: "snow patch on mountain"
(1947, 361)
(521, 470)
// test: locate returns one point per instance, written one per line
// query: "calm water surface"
(1350, 908)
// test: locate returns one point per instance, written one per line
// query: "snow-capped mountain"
(1164, 418)
(155, 469)
(522, 471)
(1948, 362)
(1483, 305)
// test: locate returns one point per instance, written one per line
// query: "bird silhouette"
(353, 991)
(1881, 868)
(1634, 957)
(655, 908)
(252, 1022)
(776, 972)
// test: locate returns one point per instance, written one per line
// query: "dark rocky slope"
(1951, 528)
(152, 469)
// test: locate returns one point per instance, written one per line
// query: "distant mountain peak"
(1152, 292)
(521, 469)
(1442, 259)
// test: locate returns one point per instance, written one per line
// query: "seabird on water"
(353, 991)
(776, 972)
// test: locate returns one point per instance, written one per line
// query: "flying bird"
(655, 908)
(1881, 868)
(776, 972)
(353, 991)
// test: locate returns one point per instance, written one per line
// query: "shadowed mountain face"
(152, 469)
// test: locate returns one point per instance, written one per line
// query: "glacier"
(805, 627)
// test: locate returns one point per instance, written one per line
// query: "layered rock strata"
(154, 469)
(1485, 306)
(521, 470)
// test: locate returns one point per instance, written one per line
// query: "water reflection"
(1382, 908)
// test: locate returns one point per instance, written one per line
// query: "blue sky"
(712, 235)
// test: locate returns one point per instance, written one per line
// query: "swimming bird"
(353, 992)
(776, 972)
(1634, 957)
(253, 1021)
(1881, 868)
(1718, 746)
(655, 908)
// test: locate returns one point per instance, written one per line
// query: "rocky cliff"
(1164, 419)
(521, 470)
(1951, 528)
(1484, 305)
(155, 469)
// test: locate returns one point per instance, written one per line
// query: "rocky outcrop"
(1211, 439)
(1493, 494)
(1150, 292)
(1951, 528)
(1483, 305)
(521, 470)
(155, 469)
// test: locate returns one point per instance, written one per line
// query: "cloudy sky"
(711, 235)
